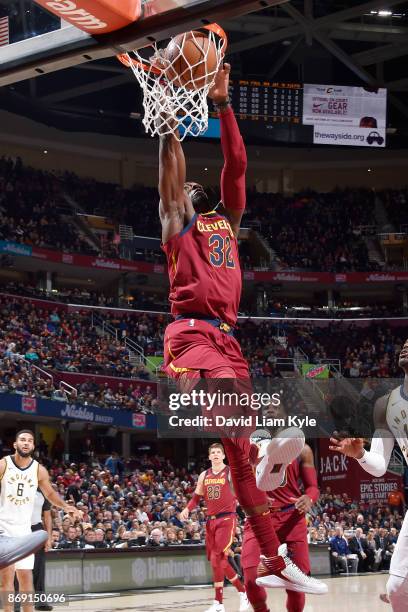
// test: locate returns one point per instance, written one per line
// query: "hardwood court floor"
(346, 594)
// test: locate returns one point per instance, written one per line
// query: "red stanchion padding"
(95, 16)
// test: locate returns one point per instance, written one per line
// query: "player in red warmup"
(201, 246)
(215, 486)
(288, 507)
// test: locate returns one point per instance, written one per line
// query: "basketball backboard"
(41, 43)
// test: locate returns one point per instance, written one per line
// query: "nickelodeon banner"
(344, 475)
(359, 107)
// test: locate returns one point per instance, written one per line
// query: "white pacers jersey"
(397, 421)
(397, 418)
(18, 490)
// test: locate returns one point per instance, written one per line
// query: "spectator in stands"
(57, 448)
(89, 540)
(156, 538)
(341, 554)
(358, 545)
(114, 464)
(71, 539)
(74, 490)
(384, 545)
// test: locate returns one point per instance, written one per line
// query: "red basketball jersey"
(289, 488)
(218, 493)
(204, 270)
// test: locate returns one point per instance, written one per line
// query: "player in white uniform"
(20, 476)
(391, 422)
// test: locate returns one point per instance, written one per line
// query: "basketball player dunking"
(214, 485)
(391, 422)
(201, 246)
(20, 477)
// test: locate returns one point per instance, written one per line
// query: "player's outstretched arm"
(53, 497)
(194, 501)
(376, 460)
(172, 177)
(233, 188)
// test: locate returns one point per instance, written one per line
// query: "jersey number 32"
(221, 251)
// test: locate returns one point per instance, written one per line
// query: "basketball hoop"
(177, 104)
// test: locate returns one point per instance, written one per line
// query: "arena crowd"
(34, 210)
(138, 503)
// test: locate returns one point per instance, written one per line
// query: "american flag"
(4, 31)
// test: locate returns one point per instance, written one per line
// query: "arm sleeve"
(376, 460)
(309, 479)
(194, 501)
(235, 162)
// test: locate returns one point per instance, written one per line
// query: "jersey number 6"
(220, 251)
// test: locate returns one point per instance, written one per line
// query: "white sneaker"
(216, 607)
(291, 577)
(244, 604)
(275, 455)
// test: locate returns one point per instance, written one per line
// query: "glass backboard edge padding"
(134, 36)
(31, 48)
(194, 15)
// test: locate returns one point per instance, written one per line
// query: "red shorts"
(219, 534)
(193, 344)
(291, 530)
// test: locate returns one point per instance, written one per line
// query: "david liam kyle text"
(254, 421)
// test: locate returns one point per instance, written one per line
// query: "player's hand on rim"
(219, 91)
(351, 447)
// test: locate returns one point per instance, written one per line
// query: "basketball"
(193, 58)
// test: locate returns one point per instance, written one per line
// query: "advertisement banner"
(141, 569)
(321, 372)
(335, 105)
(23, 404)
(345, 475)
(283, 276)
(348, 136)
(89, 261)
(289, 277)
(15, 248)
(29, 405)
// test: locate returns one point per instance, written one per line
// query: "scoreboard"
(266, 101)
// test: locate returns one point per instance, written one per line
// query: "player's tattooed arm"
(52, 495)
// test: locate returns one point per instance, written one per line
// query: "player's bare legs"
(25, 581)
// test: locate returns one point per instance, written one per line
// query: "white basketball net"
(170, 108)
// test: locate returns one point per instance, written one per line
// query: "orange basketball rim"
(95, 16)
(125, 58)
